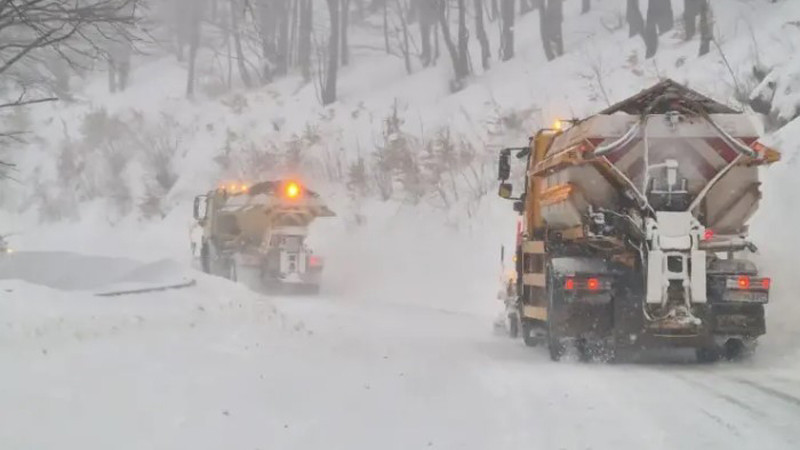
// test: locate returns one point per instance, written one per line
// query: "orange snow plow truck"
(634, 229)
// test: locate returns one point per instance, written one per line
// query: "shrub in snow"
(778, 94)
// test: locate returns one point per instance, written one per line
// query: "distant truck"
(634, 229)
(260, 229)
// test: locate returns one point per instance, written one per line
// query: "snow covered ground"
(218, 366)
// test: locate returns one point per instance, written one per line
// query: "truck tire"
(513, 326)
(555, 345)
(527, 333)
(707, 355)
(231, 268)
(738, 349)
(205, 257)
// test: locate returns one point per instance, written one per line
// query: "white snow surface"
(398, 351)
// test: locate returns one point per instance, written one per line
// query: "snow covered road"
(220, 367)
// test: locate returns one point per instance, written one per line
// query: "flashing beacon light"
(292, 190)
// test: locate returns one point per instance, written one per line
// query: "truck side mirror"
(200, 207)
(505, 190)
(504, 168)
(519, 206)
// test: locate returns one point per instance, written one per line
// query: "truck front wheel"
(513, 326)
(529, 332)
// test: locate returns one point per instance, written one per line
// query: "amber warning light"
(292, 190)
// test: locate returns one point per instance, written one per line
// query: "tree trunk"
(267, 28)
(436, 52)
(544, 32)
(195, 16)
(587, 6)
(691, 9)
(651, 29)
(665, 16)
(507, 34)
(495, 10)
(463, 40)
(237, 43)
(386, 26)
(481, 32)
(555, 17)
(705, 27)
(304, 44)
(427, 19)
(635, 19)
(282, 54)
(329, 89)
(295, 8)
(448, 40)
(345, 25)
(525, 6)
(402, 12)
(551, 14)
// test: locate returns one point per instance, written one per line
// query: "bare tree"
(463, 38)
(427, 20)
(195, 15)
(282, 55)
(69, 29)
(458, 53)
(237, 8)
(329, 83)
(304, 44)
(551, 15)
(386, 26)
(526, 6)
(480, 30)
(705, 27)
(119, 63)
(635, 19)
(586, 6)
(507, 33)
(663, 14)
(403, 12)
(691, 9)
(345, 25)
(653, 25)
(31, 29)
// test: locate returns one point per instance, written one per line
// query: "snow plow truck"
(633, 229)
(258, 233)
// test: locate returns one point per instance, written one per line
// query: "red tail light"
(765, 283)
(743, 282)
(593, 284)
(708, 234)
(569, 284)
(314, 261)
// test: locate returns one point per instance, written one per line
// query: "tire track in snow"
(764, 417)
(721, 395)
(769, 390)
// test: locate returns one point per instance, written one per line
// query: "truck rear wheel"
(554, 343)
(556, 347)
(707, 355)
(528, 333)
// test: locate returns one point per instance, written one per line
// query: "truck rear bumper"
(626, 324)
